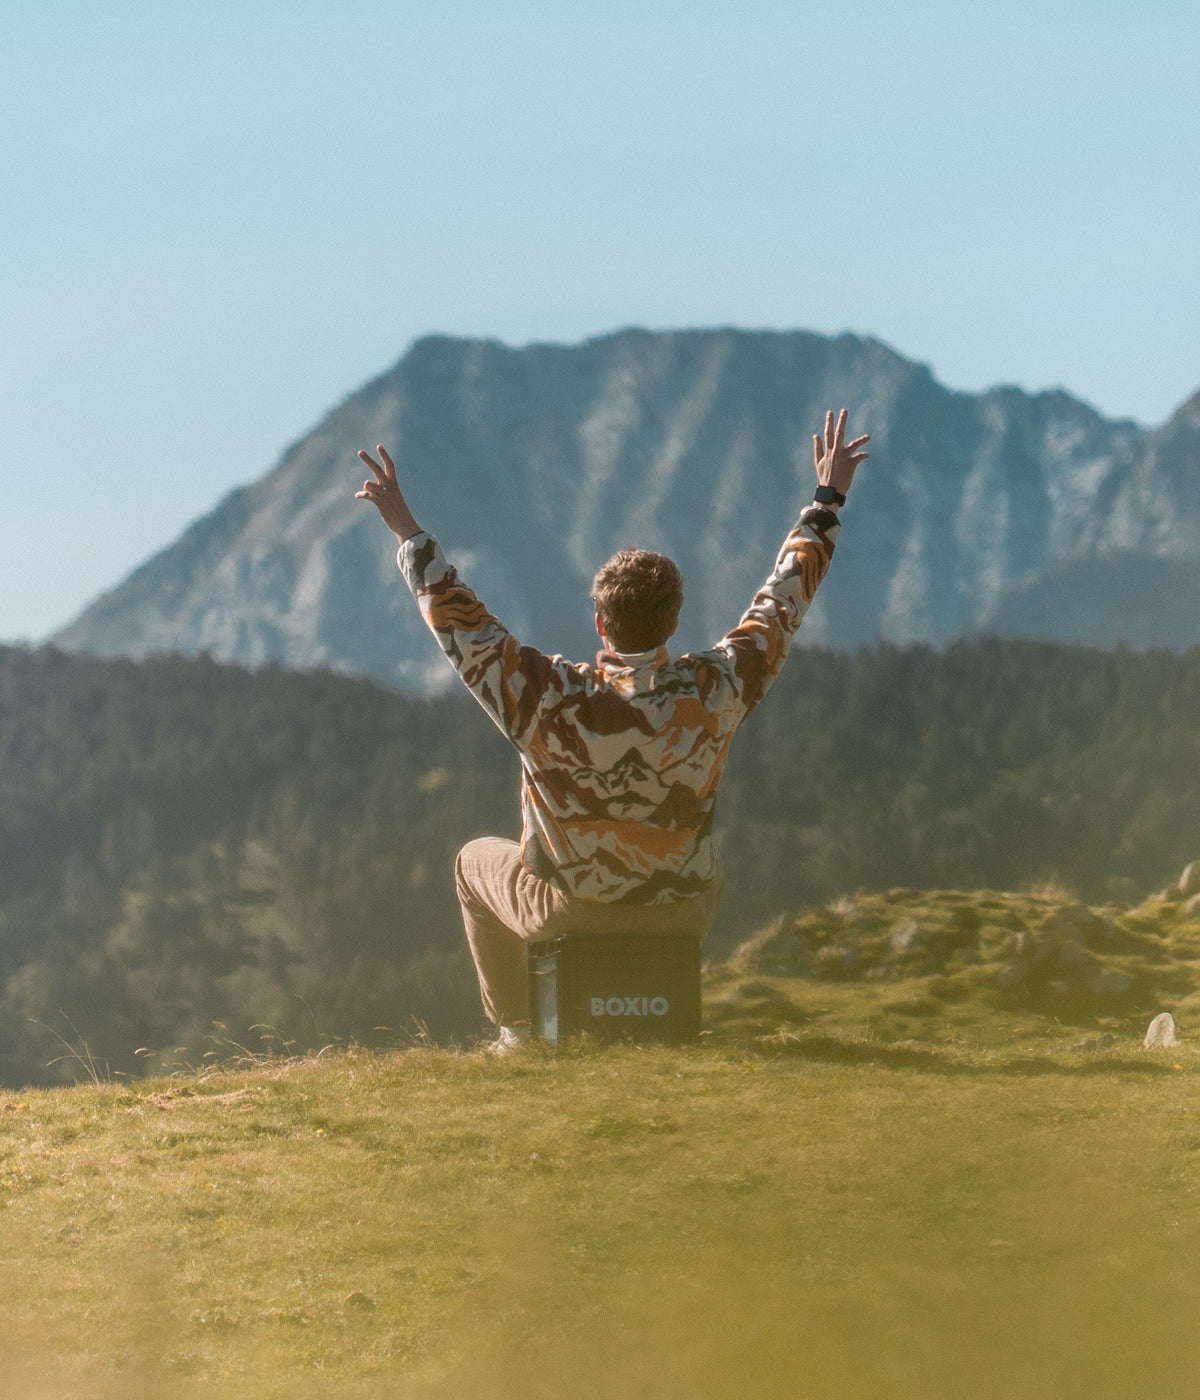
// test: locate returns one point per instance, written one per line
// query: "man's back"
(620, 760)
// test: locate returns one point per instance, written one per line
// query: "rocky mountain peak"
(1002, 512)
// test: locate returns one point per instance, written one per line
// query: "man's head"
(638, 595)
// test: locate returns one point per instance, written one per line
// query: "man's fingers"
(831, 450)
(385, 475)
(380, 474)
(835, 434)
(852, 449)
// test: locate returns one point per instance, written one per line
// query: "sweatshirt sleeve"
(509, 680)
(758, 646)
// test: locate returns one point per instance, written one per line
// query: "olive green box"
(616, 987)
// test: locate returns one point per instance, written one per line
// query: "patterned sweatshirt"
(620, 760)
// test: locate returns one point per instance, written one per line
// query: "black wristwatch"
(828, 495)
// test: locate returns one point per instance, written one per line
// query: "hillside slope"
(985, 968)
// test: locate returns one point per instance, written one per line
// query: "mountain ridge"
(1001, 512)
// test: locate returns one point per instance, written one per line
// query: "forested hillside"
(183, 842)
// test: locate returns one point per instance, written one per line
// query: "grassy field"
(806, 1216)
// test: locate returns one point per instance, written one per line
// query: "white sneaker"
(509, 1039)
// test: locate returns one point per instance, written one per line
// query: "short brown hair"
(638, 595)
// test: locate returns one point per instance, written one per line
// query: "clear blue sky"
(221, 218)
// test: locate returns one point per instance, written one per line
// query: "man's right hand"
(384, 492)
(834, 458)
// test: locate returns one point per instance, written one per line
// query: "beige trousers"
(504, 907)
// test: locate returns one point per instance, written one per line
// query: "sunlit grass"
(698, 1222)
(982, 968)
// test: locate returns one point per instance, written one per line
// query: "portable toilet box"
(642, 987)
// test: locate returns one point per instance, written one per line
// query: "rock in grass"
(1094, 1043)
(1161, 1034)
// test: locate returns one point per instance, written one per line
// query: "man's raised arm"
(493, 665)
(760, 641)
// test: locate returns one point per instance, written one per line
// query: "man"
(621, 760)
